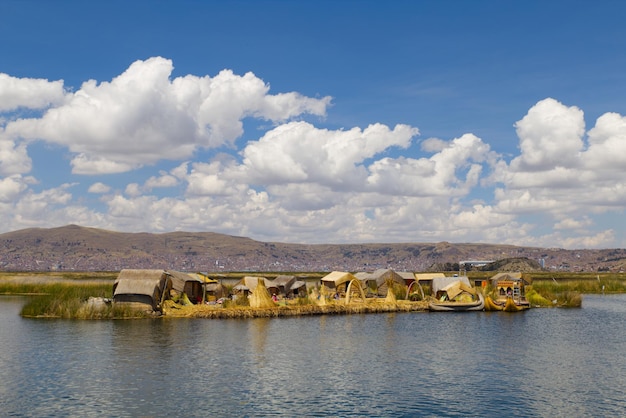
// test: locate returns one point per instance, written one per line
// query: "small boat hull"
(492, 305)
(477, 305)
(511, 306)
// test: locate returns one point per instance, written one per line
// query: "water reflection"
(537, 363)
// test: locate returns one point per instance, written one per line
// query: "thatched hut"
(425, 281)
(286, 286)
(213, 288)
(383, 277)
(142, 289)
(189, 284)
(509, 284)
(249, 283)
(298, 289)
(337, 281)
(449, 288)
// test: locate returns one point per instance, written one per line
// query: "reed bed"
(296, 309)
(69, 301)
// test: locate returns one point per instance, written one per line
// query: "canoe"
(491, 305)
(511, 306)
(450, 306)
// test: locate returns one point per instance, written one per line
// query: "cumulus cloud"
(298, 152)
(550, 136)
(31, 93)
(143, 116)
(14, 157)
(11, 187)
(99, 188)
(299, 182)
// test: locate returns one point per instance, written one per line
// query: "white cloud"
(299, 182)
(142, 116)
(450, 172)
(133, 190)
(163, 180)
(298, 152)
(32, 93)
(99, 188)
(550, 136)
(14, 157)
(11, 187)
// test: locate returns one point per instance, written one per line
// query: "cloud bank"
(298, 181)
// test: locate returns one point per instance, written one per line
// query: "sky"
(318, 121)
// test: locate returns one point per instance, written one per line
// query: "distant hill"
(76, 248)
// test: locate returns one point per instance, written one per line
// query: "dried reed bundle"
(260, 297)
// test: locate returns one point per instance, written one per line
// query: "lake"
(538, 363)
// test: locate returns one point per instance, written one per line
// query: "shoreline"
(211, 312)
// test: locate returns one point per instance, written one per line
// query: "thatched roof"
(205, 277)
(406, 275)
(439, 283)
(179, 279)
(141, 286)
(382, 275)
(298, 284)
(251, 282)
(284, 281)
(139, 282)
(424, 277)
(336, 278)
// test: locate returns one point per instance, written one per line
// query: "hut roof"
(428, 276)
(507, 276)
(382, 275)
(406, 275)
(337, 277)
(179, 279)
(284, 280)
(139, 282)
(298, 284)
(251, 282)
(205, 277)
(439, 283)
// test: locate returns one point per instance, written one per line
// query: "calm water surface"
(543, 362)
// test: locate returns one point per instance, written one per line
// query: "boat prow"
(450, 306)
(491, 305)
(511, 306)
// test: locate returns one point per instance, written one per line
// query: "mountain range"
(77, 248)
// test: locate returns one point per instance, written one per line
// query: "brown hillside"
(79, 248)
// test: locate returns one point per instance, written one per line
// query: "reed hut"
(424, 281)
(509, 284)
(298, 289)
(286, 286)
(189, 284)
(450, 288)
(336, 282)
(385, 277)
(142, 289)
(249, 283)
(212, 289)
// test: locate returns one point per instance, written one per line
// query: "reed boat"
(492, 305)
(455, 306)
(509, 293)
(455, 294)
(507, 305)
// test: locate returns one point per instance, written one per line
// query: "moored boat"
(509, 293)
(491, 305)
(455, 294)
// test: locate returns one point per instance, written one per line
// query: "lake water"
(543, 362)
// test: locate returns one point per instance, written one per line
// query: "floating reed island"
(164, 293)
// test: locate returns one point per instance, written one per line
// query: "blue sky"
(317, 121)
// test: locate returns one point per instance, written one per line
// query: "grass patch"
(69, 300)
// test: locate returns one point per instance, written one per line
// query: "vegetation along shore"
(72, 295)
